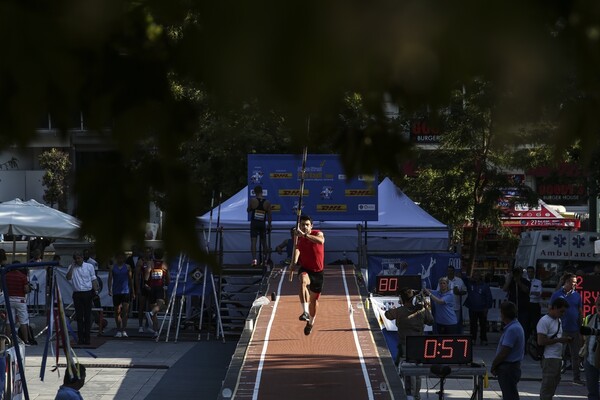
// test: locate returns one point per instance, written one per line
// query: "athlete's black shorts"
(156, 293)
(258, 229)
(316, 280)
(119, 299)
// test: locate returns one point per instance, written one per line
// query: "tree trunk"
(472, 256)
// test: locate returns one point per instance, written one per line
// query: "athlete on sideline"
(310, 256)
(260, 224)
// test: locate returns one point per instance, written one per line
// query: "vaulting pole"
(299, 209)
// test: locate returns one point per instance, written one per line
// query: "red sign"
(588, 286)
(422, 132)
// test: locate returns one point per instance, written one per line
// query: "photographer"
(517, 289)
(590, 352)
(550, 334)
(410, 318)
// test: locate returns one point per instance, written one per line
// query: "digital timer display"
(439, 349)
(389, 285)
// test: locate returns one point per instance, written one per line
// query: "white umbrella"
(30, 218)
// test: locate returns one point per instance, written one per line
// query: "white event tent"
(402, 227)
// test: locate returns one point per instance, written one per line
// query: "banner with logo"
(328, 195)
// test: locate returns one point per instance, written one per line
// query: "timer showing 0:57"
(439, 349)
(445, 348)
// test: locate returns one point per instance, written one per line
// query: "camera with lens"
(589, 331)
(418, 298)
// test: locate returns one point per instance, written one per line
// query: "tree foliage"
(462, 182)
(55, 179)
(116, 61)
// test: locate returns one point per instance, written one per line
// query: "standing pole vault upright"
(299, 208)
(212, 204)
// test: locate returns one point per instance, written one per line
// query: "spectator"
(479, 301)
(73, 381)
(571, 321)
(410, 319)
(142, 291)
(17, 285)
(287, 245)
(36, 247)
(157, 279)
(509, 354)
(456, 286)
(550, 334)
(590, 353)
(535, 297)
(134, 257)
(517, 288)
(88, 259)
(444, 315)
(85, 287)
(120, 284)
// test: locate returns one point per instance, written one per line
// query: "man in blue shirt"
(507, 363)
(571, 321)
(479, 301)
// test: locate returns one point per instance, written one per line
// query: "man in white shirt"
(458, 287)
(549, 334)
(85, 287)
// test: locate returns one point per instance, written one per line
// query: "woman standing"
(443, 314)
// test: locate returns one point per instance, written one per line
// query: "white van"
(554, 251)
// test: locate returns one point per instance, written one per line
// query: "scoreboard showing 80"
(389, 285)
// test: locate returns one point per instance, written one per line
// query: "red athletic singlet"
(157, 278)
(312, 255)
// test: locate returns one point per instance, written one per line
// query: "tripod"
(441, 371)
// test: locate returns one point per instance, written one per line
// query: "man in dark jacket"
(410, 319)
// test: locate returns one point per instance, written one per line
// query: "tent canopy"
(30, 218)
(402, 226)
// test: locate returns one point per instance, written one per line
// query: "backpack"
(540, 348)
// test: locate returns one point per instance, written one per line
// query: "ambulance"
(552, 252)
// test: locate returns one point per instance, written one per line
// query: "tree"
(58, 167)
(463, 181)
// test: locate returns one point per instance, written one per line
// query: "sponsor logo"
(366, 178)
(281, 175)
(275, 207)
(332, 207)
(359, 192)
(366, 207)
(291, 192)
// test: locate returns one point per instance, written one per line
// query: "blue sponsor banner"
(431, 267)
(194, 272)
(328, 196)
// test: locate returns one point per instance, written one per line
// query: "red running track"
(338, 360)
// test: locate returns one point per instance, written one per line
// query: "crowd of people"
(141, 279)
(556, 335)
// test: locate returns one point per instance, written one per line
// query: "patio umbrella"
(30, 218)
